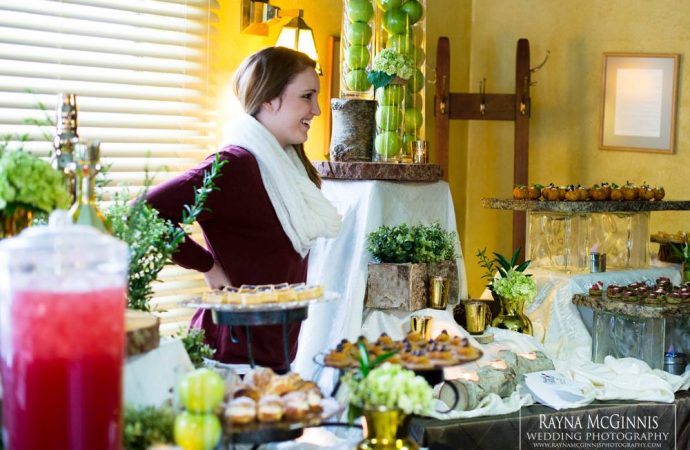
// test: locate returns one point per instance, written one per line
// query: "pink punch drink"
(62, 302)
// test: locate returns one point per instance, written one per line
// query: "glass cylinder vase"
(390, 110)
(356, 45)
(512, 316)
(401, 25)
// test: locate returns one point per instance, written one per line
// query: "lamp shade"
(297, 35)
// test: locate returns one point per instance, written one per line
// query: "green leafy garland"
(153, 240)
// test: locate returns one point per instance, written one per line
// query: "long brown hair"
(263, 76)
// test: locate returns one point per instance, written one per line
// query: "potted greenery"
(28, 186)
(510, 290)
(405, 257)
(502, 265)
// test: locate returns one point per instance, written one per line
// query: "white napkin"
(627, 379)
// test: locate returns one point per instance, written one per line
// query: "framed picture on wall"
(638, 108)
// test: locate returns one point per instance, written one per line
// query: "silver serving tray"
(197, 303)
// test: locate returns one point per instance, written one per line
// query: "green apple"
(357, 57)
(408, 139)
(388, 4)
(395, 21)
(392, 94)
(388, 118)
(416, 82)
(418, 56)
(201, 390)
(403, 43)
(358, 33)
(413, 100)
(387, 144)
(360, 10)
(413, 119)
(356, 80)
(197, 431)
(414, 11)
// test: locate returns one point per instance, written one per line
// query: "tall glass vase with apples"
(356, 45)
(401, 25)
(62, 300)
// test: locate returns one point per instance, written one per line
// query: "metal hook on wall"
(482, 96)
(444, 96)
(541, 64)
(524, 98)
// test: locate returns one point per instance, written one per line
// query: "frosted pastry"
(241, 411)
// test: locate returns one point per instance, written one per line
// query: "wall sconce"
(296, 34)
(258, 16)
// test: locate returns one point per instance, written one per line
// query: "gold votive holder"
(420, 152)
(475, 316)
(438, 292)
(421, 325)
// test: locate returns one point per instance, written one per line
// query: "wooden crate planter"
(405, 286)
(397, 286)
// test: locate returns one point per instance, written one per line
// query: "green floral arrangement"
(416, 244)
(28, 181)
(515, 285)
(389, 64)
(391, 386)
(501, 264)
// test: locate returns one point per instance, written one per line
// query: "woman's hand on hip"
(216, 278)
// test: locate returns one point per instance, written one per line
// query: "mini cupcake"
(645, 192)
(571, 193)
(520, 192)
(629, 296)
(629, 191)
(659, 193)
(550, 192)
(674, 298)
(582, 193)
(534, 191)
(598, 193)
(616, 193)
(596, 289)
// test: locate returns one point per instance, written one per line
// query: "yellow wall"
(565, 116)
(323, 16)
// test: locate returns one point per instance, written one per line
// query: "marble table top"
(379, 171)
(635, 309)
(586, 206)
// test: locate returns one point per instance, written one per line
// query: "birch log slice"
(501, 382)
(352, 132)
(491, 380)
(141, 329)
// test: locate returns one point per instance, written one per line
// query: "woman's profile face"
(289, 116)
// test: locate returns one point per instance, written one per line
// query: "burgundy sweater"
(244, 235)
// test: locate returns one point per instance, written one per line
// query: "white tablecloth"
(340, 264)
(565, 328)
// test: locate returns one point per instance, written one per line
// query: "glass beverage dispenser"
(62, 301)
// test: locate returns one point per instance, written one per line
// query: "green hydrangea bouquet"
(515, 285)
(30, 182)
(391, 386)
(388, 65)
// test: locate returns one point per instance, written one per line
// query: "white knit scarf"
(303, 211)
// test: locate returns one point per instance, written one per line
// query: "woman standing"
(268, 209)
